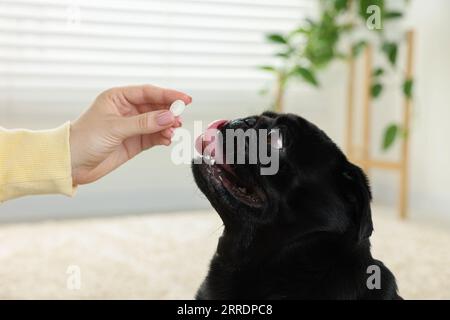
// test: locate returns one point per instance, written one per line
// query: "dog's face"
(314, 190)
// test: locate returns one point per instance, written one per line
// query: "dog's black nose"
(250, 121)
(234, 124)
(244, 123)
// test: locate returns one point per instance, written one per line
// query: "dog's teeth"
(209, 160)
(243, 190)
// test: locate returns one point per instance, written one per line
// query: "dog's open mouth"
(225, 175)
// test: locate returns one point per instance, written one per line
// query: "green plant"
(311, 47)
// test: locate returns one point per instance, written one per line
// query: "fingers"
(156, 139)
(179, 122)
(146, 123)
(168, 133)
(148, 94)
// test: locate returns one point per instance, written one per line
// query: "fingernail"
(165, 118)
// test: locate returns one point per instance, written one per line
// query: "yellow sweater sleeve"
(35, 162)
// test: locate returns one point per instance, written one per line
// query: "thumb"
(146, 123)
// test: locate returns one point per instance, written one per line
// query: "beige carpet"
(165, 256)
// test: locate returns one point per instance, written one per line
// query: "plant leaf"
(378, 72)
(267, 68)
(307, 75)
(301, 30)
(390, 134)
(340, 4)
(390, 49)
(288, 52)
(310, 22)
(393, 15)
(358, 47)
(408, 86)
(276, 38)
(376, 90)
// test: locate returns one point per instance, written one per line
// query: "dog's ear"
(358, 192)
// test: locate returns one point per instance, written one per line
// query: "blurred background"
(56, 56)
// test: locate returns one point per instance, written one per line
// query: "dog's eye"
(275, 139)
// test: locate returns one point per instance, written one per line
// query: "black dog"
(302, 233)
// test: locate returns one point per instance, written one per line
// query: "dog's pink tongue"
(205, 139)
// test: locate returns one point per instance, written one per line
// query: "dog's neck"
(251, 258)
(249, 246)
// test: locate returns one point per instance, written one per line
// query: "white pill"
(177, 107)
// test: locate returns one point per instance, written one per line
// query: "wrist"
(74, 161)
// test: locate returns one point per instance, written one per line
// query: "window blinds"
(58, 45)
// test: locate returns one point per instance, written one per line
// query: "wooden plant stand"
(363, 158)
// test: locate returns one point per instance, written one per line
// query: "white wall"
(430, 148)
(152, 183)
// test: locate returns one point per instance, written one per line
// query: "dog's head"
(315, 189)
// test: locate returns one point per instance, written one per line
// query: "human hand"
(120, 124)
